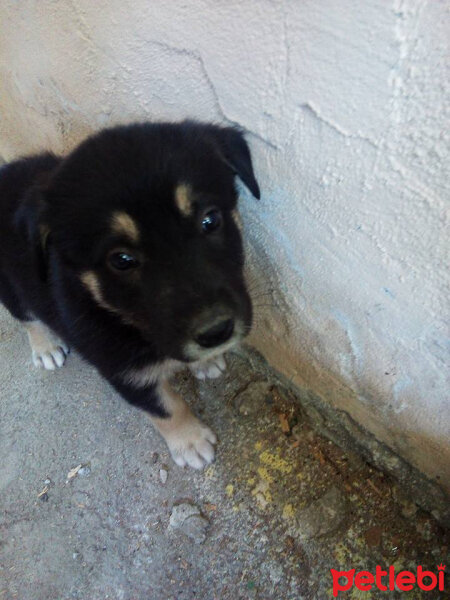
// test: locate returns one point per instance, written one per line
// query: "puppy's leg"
(190, 441)
(210, 369)
(47, 350)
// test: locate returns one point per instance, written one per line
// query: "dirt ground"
(92, 508)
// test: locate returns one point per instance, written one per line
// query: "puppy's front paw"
(192, 444)
(47, 350)
(210, 369)
(51, 358)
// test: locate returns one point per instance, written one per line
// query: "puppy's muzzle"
(215, 333)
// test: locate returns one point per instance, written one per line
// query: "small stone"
(195, 528)
(322, 516)
(163, 475)
(47, 482)
(409, 509)
(84, 471)
(187, 519)
(181, 512)
(250, 401)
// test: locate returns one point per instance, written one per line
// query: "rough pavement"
(92, 508)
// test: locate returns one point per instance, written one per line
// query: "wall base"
(338, 426)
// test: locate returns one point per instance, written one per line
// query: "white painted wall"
(346, 105)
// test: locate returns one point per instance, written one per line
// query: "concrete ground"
(91, 506)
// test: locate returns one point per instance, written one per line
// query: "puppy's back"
(17, 180)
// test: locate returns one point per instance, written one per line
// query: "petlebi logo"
(404, 581)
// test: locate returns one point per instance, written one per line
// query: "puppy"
(129, 250)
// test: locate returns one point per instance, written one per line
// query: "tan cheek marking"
(123, 224)
(91, 282)
(237, 219)
(183, 199)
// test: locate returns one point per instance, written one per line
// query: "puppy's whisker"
(257, 284)
(262, 295)
(269, 304)
(260, 290)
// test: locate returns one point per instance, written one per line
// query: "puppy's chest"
(151, 373)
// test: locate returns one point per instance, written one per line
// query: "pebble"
(84, 471)
(163, 475)
(322, 516)
(409, 509)
(251, 400)
(187, 519)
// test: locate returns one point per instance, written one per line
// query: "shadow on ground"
(91, 506)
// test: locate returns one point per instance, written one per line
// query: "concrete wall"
(346, 105)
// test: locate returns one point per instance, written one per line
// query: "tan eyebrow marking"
(183, 199)
(123, 224)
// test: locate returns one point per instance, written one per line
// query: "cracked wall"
(346, 107)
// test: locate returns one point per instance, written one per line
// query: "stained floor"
(92, 508)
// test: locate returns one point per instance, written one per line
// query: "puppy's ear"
(30, 220)
(236, 154)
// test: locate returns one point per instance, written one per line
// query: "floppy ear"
(236, 154)
(30, 220)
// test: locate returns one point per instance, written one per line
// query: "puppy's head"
(146, 218)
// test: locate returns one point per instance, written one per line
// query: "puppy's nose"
(215, 335)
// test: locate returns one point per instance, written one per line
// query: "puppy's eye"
(122, 261)
(211, 220)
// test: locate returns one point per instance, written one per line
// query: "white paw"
(47, 350)
(210, 369)
(192, 444)
(50, 358)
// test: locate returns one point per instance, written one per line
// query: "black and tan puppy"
(129, 250)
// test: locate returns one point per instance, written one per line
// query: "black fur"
(56, 224)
